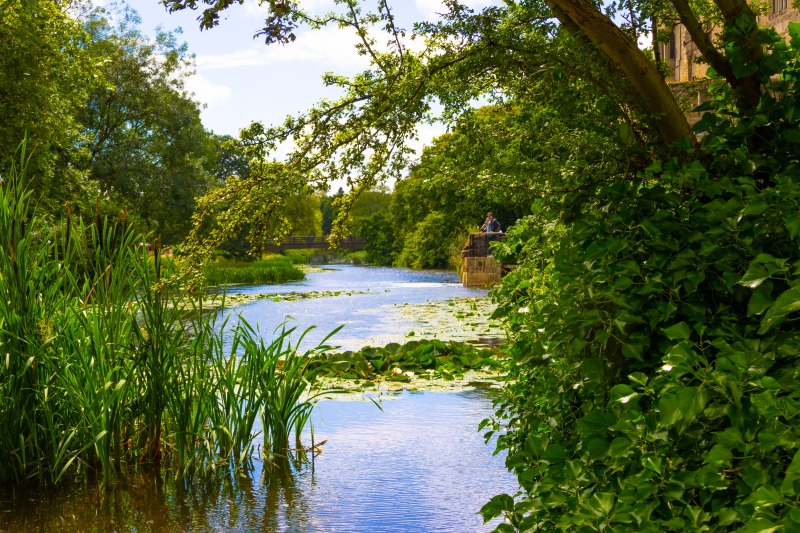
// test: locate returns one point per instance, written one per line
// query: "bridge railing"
(313, 241)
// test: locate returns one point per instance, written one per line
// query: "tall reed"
(104, 361)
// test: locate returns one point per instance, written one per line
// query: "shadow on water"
(417, 465)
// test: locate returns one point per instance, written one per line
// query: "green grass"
(272, 269)
(318, 255)
(107, 363)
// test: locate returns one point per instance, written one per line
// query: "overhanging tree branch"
(626, 55)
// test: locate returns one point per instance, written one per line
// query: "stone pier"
(478, 267)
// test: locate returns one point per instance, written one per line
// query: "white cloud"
(207, 92)
(431, 8)
(330, 46)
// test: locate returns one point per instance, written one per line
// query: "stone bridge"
(311, 241)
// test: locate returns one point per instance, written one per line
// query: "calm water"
(367, 306)
(419, 465)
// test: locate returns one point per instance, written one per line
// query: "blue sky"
(239, 79)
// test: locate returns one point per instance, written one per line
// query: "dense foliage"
(656, 347)
(106, 115)
(107, 363)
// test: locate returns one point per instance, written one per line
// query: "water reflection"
(368, 303)
(418, 465)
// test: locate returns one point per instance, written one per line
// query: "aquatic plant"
(106, 361)
(420, 358)
(273, 269)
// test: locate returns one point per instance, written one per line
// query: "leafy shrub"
(428, 245)
(656, 344)
(381, 248)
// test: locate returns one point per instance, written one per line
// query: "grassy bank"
(270, 269)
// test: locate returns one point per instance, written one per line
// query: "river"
(417, 464)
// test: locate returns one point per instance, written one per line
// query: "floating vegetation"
(241, 299)
(456, 319)
(417, 359)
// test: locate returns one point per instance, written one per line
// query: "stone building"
(681, 54)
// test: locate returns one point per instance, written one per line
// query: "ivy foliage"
(656, 342)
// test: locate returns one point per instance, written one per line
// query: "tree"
(329, 212)
(518, 36)
(148, 150)
(231, 160)
(45, 69)
(507, 53)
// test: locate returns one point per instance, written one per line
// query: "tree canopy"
(521, 51)
(108, 122)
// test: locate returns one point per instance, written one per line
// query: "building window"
(672, 51)
(779, 6)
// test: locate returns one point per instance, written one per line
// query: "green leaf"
(603, 502)
(766, 496)
(719, 456)
(794, 467)
(757, 207)
(770, 383)
(639, 378)
(619, 447)
(620, 391)
(555, 453)
(653, 463)
(679, 331)
(594, 422)
(760, 300)
(758, 525)
(668, 409)
(755, 276)
(597, 448)
(496, 506)
(788, 302)
(792, 225)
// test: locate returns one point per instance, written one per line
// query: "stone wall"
(480, 271)
(478, 267)
(685, 65)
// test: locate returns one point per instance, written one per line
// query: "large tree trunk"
(626, 55)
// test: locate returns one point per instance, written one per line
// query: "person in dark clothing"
(491, 224)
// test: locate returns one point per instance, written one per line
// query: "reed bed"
(272, 269)
(101, 368)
